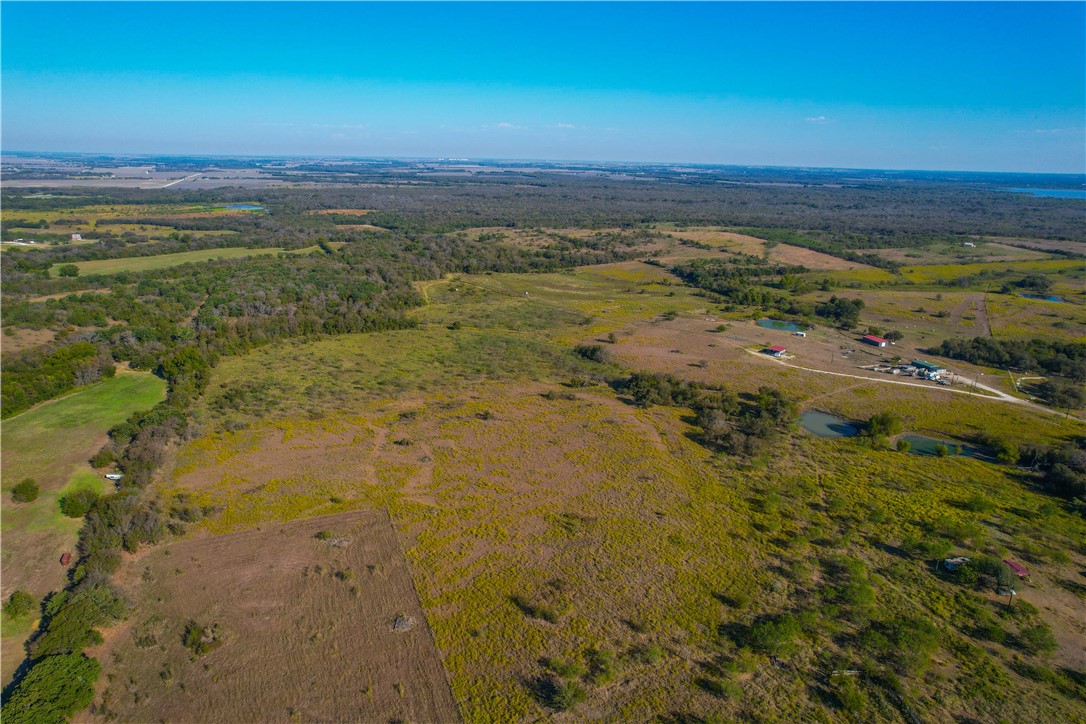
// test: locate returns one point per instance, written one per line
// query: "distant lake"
(243, 207)
(1048, 298)
(1053, 193)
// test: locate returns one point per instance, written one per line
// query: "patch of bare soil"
(61, 295)
(313, 620)
(781, 253)
(18, 340)
(1078, 247)
(973, 305)
(1060, 591)
(361, 227)
(692, 349)
(788, 254)
(340, 212)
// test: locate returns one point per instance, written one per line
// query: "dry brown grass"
(61, 295)
(18, 340)
(305, 627)
(781, 253)
(360, 227)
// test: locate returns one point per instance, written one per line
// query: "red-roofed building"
(874, 341)
(1018, 568)
(775, 351)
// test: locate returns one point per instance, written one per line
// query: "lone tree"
(884, 424)
(20, 603)
(68, 270)
(25, 491)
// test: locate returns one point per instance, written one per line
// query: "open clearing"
(162, 261)
(543, 521)
(581, 495)
(360, 227)
(51, 443)
(780, 253)
(340, 212)
(957, 253)
(305, 629)
(17, 340)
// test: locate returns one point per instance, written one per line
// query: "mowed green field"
(559, 531)
(51, 444)
(942, 273)
(162, 261)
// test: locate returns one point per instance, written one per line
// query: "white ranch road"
(997, 395)
(193, 177)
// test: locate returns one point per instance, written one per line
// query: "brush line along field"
(51, 444)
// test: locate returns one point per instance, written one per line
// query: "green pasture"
(163, 261)
(52, 442)
(564, 307)
(938, 274)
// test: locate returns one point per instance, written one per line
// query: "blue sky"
(970, 86)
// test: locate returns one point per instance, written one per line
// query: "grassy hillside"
(567, 545)
(51, 444)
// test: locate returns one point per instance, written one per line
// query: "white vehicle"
(114, 476)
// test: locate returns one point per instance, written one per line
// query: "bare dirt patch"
(18, 340)
(61, 295)
(340, 212)
(781, 253)
(360, 227)
(315, 620)
(972, 306)
(1078, 247)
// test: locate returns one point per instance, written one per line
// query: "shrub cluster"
(25, 491)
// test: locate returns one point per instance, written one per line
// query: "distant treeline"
(751, 281)
(872, 213)
(748, 280)
(1065, 359)
(840, 244)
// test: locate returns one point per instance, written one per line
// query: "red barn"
(1018, 568)
(775, 351)
(874, 341)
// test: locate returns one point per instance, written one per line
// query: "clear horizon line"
(507, 159)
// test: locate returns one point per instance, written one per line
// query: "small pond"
(779, 325)
(1045, 297)
(826, 425)
(243, 207)
(923, 445)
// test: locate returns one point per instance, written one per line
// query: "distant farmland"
(162, 261)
